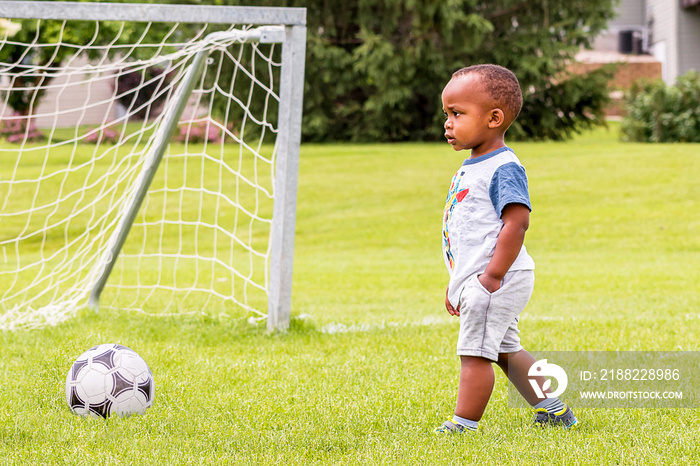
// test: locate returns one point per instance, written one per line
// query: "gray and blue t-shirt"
(479, 192)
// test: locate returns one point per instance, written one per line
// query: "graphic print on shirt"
(454, 196)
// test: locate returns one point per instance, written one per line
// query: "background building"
(647, 39)
(651, 31)
(673, 35)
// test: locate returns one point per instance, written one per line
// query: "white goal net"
(178, 125)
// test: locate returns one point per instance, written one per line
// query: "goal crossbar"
(145, 12)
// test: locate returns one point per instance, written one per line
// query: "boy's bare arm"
(516, 220)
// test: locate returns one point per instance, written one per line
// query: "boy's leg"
(476, 379)
(516, 366)
(484, 319)
(550, 410)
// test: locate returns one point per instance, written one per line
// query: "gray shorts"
(488, 322)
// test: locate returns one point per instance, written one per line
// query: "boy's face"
(468, 114)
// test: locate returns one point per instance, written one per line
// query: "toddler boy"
(491, 274)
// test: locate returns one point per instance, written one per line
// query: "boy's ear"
(496, 118)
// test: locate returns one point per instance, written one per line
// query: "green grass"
(368, 366)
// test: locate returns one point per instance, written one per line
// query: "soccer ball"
(109, 379)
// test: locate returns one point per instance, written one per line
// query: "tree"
(375, 68)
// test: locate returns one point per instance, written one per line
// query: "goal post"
(235, 244)
(287, 173)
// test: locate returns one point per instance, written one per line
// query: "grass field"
(368, 369)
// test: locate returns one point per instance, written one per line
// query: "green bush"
(660, 113)
(375, 69)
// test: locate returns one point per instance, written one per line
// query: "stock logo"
(542, 368)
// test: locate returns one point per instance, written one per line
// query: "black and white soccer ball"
(109, 379)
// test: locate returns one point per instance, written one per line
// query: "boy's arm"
(516, 220)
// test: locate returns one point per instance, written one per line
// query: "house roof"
(606, 56)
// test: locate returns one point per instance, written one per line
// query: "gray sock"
(552, 405)
(466, 423)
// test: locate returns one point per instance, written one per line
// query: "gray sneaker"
(449, 427)
(564, 418)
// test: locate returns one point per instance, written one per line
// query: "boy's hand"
(448, 305)
(492, 284)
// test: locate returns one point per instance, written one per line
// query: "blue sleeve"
(509, 186)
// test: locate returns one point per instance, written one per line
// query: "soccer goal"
(148, 159)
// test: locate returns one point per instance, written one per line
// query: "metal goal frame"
(292, 36)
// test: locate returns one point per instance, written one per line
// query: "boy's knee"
(467, 360)
(504, 359)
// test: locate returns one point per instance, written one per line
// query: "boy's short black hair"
(502, 85)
